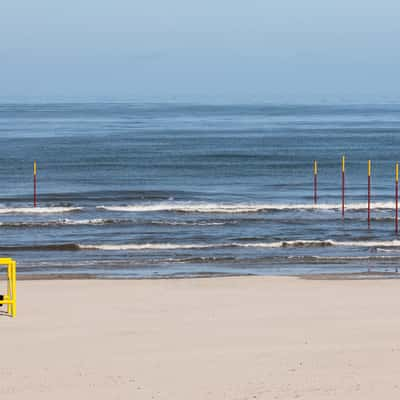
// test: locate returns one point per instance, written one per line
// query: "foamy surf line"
(100, 221)
(240, 207)
(61, 222)
(201, 246)
(38, 210)
(280, 244)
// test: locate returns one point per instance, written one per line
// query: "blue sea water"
(155, 190)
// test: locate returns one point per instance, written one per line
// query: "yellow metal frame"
(11, 296)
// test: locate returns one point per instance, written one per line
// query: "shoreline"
(367, 275)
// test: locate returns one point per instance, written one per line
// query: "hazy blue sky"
(220, 50)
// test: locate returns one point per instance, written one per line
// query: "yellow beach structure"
(10, 297)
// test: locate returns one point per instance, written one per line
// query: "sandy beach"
(212, 338)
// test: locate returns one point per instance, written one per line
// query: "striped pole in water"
(343, 182)
(369, 193)
(396, 223)
(34, 184)
(315, 181)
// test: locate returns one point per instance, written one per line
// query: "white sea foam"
(37, 210)
(144, 246)
(279, 244)
(192, 223)
(372, 243)
(379, 250)
(240, 207)
(288, 243)
(322, 243)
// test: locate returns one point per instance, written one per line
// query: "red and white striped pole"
(369, 193)
(343, 182)
(315, 181)
(34, 184)
(396, 223)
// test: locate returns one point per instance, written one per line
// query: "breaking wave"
(189, 207)
(38, 210)
(176, 246)
(32, 224)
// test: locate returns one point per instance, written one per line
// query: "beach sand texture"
(219, 338)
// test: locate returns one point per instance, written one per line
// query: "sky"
(224, 51)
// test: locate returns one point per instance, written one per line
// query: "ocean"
(185, 190)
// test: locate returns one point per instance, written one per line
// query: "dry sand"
(221, 338)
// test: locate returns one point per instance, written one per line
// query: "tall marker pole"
(369, 193)
(315, 181)
(34, 184)
(396, 223)
(343, 172)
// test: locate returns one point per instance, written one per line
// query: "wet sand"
(212, 338)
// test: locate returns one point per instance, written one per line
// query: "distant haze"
(200, 51)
